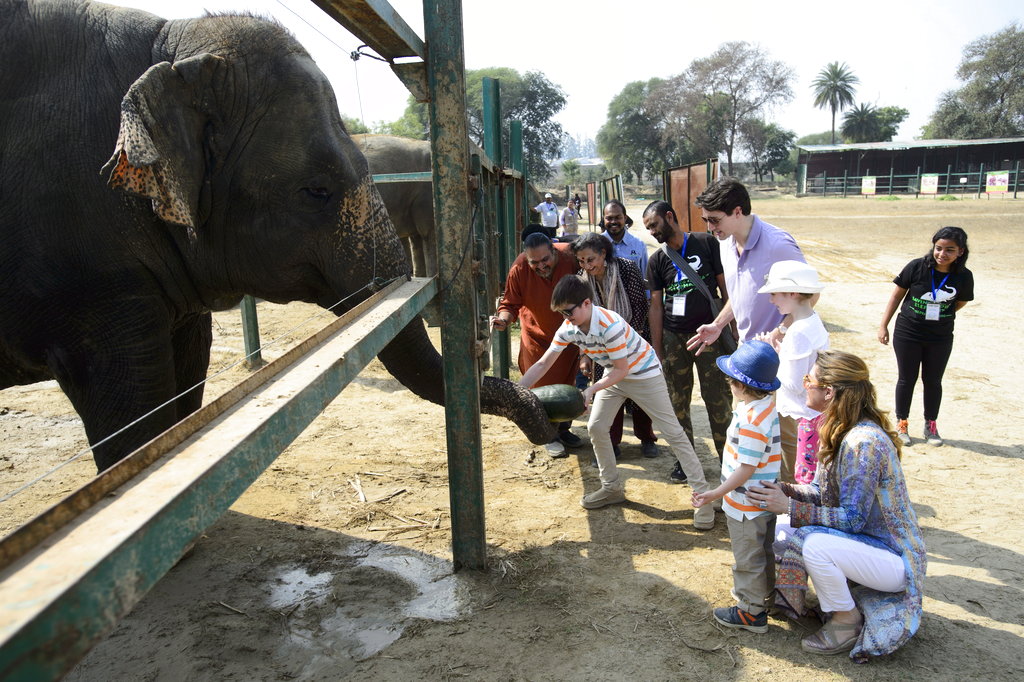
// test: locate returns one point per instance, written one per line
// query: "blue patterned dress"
(865, 500)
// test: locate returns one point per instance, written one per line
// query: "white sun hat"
(791, 276)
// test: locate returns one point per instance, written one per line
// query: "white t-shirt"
(548, 213)
(797, 353)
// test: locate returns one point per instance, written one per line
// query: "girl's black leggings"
(928, 360)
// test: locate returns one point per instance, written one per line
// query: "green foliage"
(571, 170)
(353, 125)
(888, 197)
(701, 111)
(834, 89)
(861, 124)
(769, 147)
(530, 98)
(889, 120)
(414, 123)
(630, 140)
(947, 197)
(990, 103)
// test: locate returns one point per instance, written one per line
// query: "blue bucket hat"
(755, 364)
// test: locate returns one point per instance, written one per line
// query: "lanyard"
(941, 284)
(682, 253)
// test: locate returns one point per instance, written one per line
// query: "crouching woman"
(855, 522)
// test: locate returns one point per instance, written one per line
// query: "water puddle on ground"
(365, 608)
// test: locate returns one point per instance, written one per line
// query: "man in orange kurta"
(527, 297)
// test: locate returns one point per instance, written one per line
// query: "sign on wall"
(867, 184)
(930, 183)
(997, 182)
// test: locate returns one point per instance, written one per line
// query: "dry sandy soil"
(300, 580)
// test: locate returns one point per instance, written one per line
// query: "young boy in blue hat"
(753, 453)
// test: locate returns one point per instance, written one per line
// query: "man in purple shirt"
(749, 246)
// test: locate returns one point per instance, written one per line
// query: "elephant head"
(236, 141)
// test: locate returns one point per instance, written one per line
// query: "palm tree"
(833, 88)
(861, 124)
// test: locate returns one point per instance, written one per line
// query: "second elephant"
(410, 204)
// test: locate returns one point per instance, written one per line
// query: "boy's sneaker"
(602, 497)
(735, 617)
(931, 433)
(704, 517)
(649, 449)
(556, 449)
(903, 432)
(677, 475)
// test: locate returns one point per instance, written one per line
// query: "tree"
(530, 98)
(414, 123)
(353, 125)
(768, 146)
(861, 124)
(571, 170)
(711, 100)
(630, 140)
(990, 103)
(833, 88)
(889, 120)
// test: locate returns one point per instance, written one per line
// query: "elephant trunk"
(412, 359)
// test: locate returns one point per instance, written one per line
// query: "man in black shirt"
(677, 309)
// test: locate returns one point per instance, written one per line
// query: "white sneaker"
(602, 497)
(555, 449)
(704, 517)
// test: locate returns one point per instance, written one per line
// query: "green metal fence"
(981, 182)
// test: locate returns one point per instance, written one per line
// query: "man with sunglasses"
(527, 298)
(749, 247)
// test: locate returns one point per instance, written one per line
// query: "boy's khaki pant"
(753, 575)
(650, 395)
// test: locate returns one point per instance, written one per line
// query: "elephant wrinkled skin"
(226, 170)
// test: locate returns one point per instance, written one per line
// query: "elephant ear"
(160, 145)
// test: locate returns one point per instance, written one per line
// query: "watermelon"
(562, 402)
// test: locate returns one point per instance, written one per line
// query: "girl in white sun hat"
(791, 285)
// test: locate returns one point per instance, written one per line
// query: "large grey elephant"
(410, 204)
(226, 170)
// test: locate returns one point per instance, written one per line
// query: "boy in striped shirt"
(632, 371)
(753, 453)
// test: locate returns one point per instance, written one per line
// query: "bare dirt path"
(300, 580)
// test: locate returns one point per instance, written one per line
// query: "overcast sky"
(905, 52)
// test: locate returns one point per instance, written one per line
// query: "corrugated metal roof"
(903, 144)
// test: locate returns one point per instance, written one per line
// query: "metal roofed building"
(898, 166)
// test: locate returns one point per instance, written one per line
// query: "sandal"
(833, 638)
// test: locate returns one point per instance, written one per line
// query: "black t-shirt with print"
(704, 256)
(917, 278)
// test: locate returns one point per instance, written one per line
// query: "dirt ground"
(301, 580)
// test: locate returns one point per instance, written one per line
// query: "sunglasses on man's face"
(568, 313)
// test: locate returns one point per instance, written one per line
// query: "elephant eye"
(320, 195)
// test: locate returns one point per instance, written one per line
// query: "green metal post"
(251, 333)
(981, 178)
(949, 177)
(449, 135)
(890, 179)
(500, 350)
(917, 194)
(1016, 179)
(824, 184)
(845, 172)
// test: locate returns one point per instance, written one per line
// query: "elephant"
(410, 204)
(153, 171)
